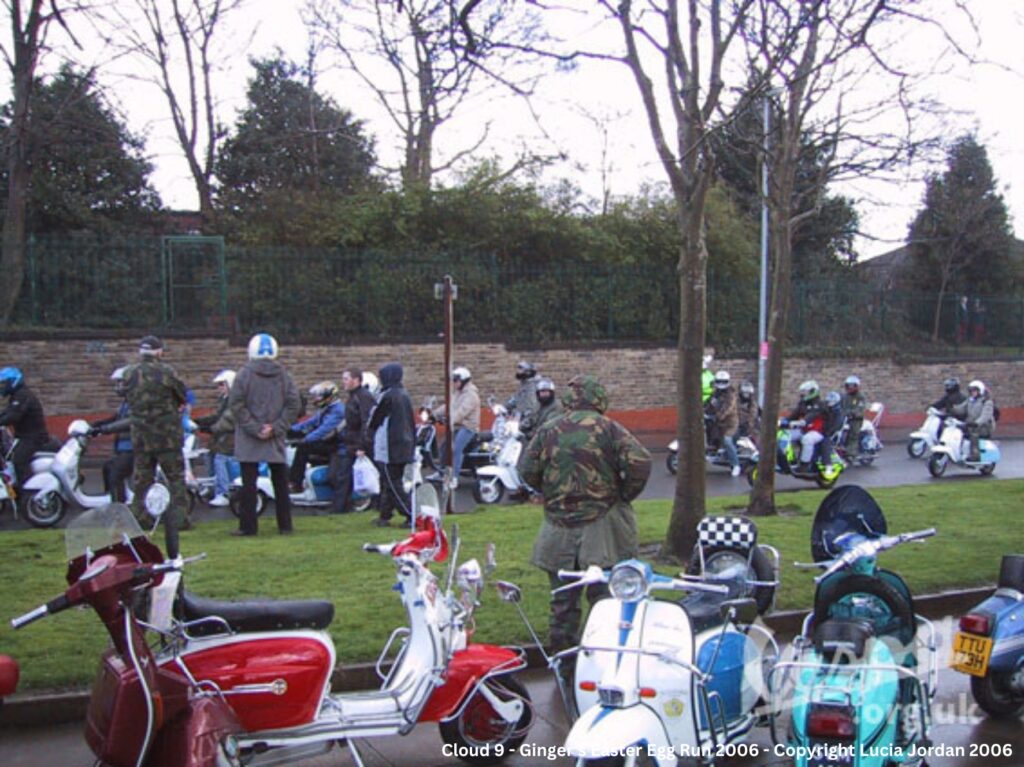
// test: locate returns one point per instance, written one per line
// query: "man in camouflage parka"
(588, 468)
(155, 395)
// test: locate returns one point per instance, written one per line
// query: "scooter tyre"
(896, 603)
(916, 448)
(234, 503)
(759, 563)
(987, 469)
(752, 475)
(987, 690)
(488, 490)
(672, 462)
(475, 727)
(42, 516)
(937, 464)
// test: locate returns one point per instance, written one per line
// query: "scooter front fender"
(42, 484)
(944, 450)
(465, 671)
(503, 473)
(603, 731)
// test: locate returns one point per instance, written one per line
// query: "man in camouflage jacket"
(588, 468)
(156, 394)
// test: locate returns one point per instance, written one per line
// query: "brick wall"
(72, 375)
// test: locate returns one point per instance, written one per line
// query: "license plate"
(971, 653)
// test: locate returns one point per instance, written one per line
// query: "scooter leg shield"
(602, 732)
(42, 483)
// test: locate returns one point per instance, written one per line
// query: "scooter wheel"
(872, 596)
(234, 503)
(672, 462)
(987, 469)
(752, 476)
(488, 490)
(992, 693)
(937, 464)
(916, 448)
(42, 510)
(720, 559)
(477, 731)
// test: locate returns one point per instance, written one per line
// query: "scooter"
(660, 679)
(248, 683)
(855, 691)
(787, 460)
(485, 446)
(317, 489)
(952, 449)
(924, 439)
(869, 443)
(7, 494)
(746, 451)
(990, 644)
(493, 481)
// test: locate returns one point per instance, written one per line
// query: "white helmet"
(461, 374)
(118, 378)
(225, 377)
(722, 379)
(371, 382)
(976, 384)
(263, 346)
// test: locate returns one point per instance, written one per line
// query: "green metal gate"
(194, 282)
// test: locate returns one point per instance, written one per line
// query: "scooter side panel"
(666, 628)
(464, 670)
(603, 731)
(1007, 633)
(297, 664)
(43, 483)
(601, 630)
(729, 677)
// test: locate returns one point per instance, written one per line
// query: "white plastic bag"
(365, 477)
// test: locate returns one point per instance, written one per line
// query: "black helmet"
(951, 384)
(525, 370)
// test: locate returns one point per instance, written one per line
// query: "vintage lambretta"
(990, 644)
(249, 683)
(856, 690)
(659, 680)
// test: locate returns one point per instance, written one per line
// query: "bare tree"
(30, 22)
(407, 55)
(177, 40)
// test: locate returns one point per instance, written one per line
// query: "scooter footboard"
(603, 732)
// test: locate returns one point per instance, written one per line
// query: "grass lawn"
(977, 523)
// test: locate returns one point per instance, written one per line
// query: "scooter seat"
(482, 436)
(255, 614)
(840, 638)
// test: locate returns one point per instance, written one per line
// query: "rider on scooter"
(854, 403)
(465, 419)
(722, 408)
(319, 431)
(524, 402)
(749, 412)
(25, 413)
(550, 406)
(120, 467)
(220, 425)
(978, 413)
(811, 410)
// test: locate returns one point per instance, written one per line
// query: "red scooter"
(248, 683)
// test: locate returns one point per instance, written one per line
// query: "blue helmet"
(10, 379)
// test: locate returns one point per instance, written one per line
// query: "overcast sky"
(987, 97)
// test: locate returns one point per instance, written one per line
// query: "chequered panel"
(735, 532)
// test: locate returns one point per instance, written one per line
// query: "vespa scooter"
(990, 644)
(925, 438)
(952, 449)
(855, 691)
(493, 481)
(787, 460)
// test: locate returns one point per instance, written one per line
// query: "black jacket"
(395, 409)
(354, 431)
(25, 413)
(949, 400)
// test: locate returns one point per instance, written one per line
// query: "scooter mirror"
(509, 592)
(157, 499)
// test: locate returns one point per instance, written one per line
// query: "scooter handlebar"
(51, 607)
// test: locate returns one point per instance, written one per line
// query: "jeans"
(463, 437)
(729, 444)
(221, 474)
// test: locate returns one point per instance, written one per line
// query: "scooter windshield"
(847, 510)
(99, 528)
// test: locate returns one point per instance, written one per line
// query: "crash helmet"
(371, 383)
(263, 346)
(120, 385)
(832, 399)
(10, 379)
(226, 377)
(746, 390)
(722, 380)
(525, 370)
(545, 390)
(323, 394)
(150, 346)
(852, 384)
(976, 384)
(461, 374)
(951, 384)
(808, 390)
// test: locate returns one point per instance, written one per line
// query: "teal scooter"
(855, 692)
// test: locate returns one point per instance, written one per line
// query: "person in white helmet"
(121, 465)
(220, 425)
(978, 414)
(722, 408)
(465, 420)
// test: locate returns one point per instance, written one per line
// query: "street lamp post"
(762, 323)
(447, 291)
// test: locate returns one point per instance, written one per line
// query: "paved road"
(958, 723)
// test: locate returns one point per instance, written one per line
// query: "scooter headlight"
(628, 583)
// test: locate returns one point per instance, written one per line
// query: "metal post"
(762, 322)
(449, 326)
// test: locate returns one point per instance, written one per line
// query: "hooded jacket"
(263, 392)
(392, 421)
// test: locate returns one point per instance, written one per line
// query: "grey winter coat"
(977, 411)
(263, 392)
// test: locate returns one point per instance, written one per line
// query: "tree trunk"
(938, 306)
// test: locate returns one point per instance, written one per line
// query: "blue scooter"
(990, 644)
(854, 691)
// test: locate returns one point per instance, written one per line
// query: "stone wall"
(72, 375)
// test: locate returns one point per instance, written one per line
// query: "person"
(220, 425)
(748, 412)
(550, 407)
(588, 468)
(725, 419)
(319, 432)
(265, 402)
(853, 405)
(24, 413)
(524, 401)
(353, 435)
(810, 409)
(978, 414)
(707, 378)
(156, 397)
(121, 465)
(952, 395)
(394, 440)
(465, 420)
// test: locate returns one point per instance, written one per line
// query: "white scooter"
(869, 443)
(492, 481)
(952, 449)
(661, 681)
(928, 436)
